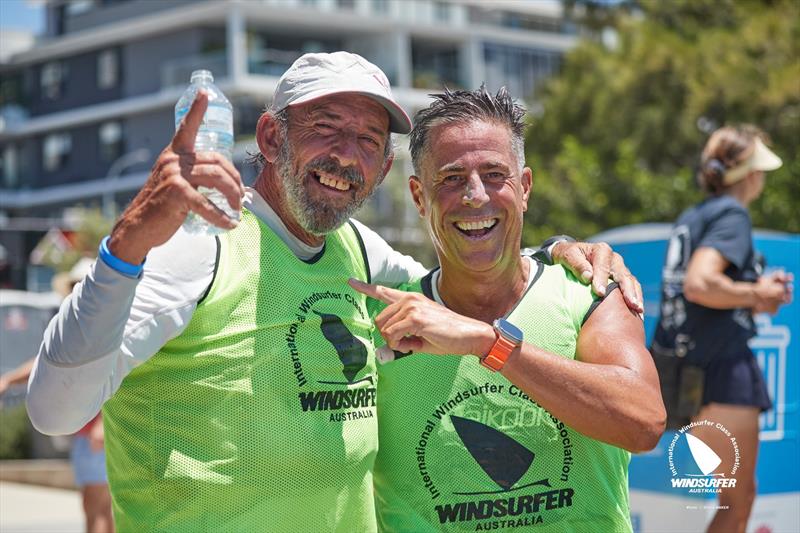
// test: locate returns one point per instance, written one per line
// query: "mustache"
(329, 166)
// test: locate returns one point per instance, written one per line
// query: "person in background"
(87, 454)
(712, 285)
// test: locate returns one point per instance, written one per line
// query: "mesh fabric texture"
(260, 416)
(462, 449)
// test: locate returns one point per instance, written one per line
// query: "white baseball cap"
(762, 158)
(313, 76)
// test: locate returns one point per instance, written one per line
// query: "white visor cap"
(762, 158)
(313, 76)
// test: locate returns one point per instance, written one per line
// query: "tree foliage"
(89, 228)
(622, 126)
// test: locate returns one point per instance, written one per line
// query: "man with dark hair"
(237, 374)
(536, 430)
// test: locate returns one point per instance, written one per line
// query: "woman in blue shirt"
(712, 285)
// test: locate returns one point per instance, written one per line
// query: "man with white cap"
(236, 373)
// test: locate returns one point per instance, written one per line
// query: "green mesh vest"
(261, 415)
(462, 449)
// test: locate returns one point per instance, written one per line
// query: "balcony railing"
(271, 61)
(12, 115)
(177, 72)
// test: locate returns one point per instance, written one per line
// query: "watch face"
(508, 330)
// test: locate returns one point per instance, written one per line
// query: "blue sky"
(22, 15)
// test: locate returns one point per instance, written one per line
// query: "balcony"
(271, 53)
(11, 116)
(435, 66)
(271, 61)
(177, 72)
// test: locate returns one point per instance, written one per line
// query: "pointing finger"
(377, 292)
(183, 141)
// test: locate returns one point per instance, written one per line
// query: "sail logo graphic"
(351, 350)
(341, 388)
(701, 470)
(503, 459)
(706, 459)
(506, 462)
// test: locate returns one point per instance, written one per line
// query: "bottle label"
(218, 118)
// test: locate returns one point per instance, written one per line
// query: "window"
(56, 150)
(272, 53)
(346, 4)
(76, 7)
(107, 69)
(519, 69)
(441, 11)
(435, 65)
(110, 137)
(53, 80)
(530, 22)
(380, 6)
(10, 167)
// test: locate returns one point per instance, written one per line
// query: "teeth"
(334, 183)
(479, 224)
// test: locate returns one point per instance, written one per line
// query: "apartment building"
(85, 110)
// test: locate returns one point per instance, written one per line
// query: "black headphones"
(710, 174)
(715, 168)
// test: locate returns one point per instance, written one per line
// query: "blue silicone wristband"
(123, 267)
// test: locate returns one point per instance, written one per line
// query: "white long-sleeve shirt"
(111, 322)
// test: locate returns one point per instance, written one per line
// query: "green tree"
(621, 128)
(89, 228)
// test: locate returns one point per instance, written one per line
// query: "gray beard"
(316, 216)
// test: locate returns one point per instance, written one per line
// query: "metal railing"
(177, 72)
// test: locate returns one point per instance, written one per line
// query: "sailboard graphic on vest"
(706, 459)
(351, 350)
(503, 459)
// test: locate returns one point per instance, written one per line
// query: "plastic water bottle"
(215, 135)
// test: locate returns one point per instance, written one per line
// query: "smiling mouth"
(331, 182)
(476, 228)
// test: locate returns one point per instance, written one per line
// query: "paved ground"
(31, 508)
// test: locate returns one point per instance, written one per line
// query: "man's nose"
(474, 192)
(345, 150)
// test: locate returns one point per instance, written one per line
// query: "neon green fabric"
(462, 449)
(261, 415)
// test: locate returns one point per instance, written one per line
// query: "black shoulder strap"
(213, 274)
(363, 250)
(610, 287)
(426, 284)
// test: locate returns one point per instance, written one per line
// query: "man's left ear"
(527, 185)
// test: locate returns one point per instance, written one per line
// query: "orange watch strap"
(498, 354)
